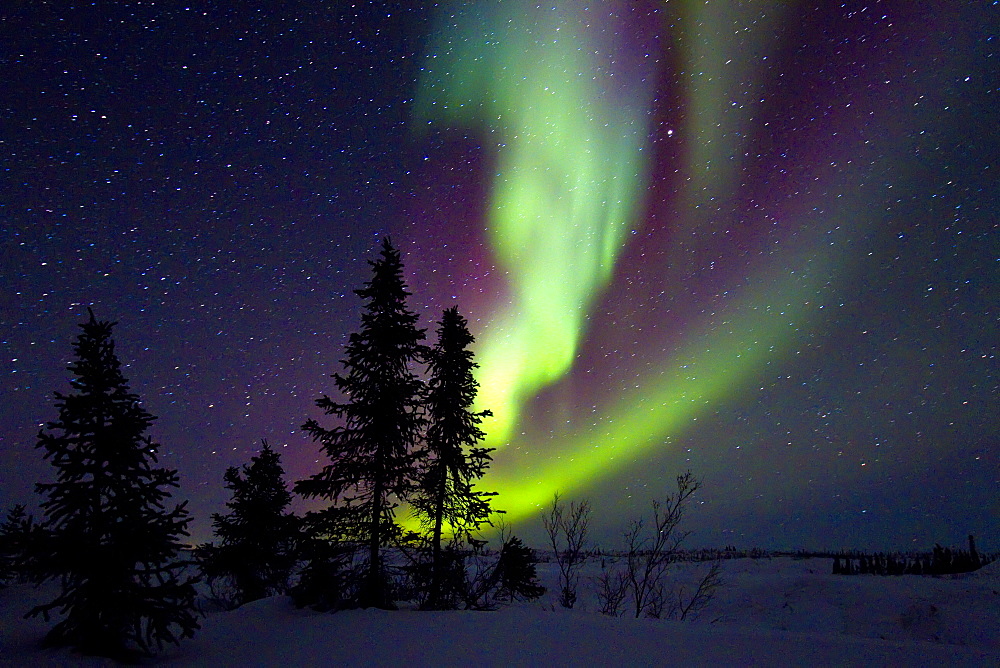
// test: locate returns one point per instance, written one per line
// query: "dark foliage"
(257, 538)
(476, 577)
(330, 577)
(446, 498)
(108, 538)
(452, 586)
(16, 533)
(515, 572)
(372, 451)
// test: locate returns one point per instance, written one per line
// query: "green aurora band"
(570, 132)
(570, 172)
(713, 364)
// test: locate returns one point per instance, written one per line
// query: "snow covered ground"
(778, 611)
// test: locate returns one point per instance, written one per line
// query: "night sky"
(756, 240)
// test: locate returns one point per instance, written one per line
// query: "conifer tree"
(515, 571)
(257, 537)
(447, 499)
(109, 540)
(15, 533)
(372, 451)
(512, 576)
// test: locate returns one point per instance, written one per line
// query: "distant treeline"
(940, 561)
(702, 554)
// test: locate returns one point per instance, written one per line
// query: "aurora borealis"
(568, 164)
(757, 240)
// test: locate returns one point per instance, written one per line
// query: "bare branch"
(568, 535)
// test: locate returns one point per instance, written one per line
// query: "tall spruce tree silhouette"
(447, 498)
(257, 548)
(109, 540)
(373, 450)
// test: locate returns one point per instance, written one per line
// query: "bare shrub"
(612, 588)
(647, 558)
(649, 550)
(703, 594)
(567, 531)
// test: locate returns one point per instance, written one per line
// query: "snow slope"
(770, 612)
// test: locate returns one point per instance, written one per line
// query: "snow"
(778, 611)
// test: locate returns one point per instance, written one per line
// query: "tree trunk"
(375, 593)
(435, 597)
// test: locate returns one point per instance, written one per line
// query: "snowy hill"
(777, 611)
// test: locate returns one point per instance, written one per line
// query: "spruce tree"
(108, 538)
(257, 537)
(447, 499)
(516, 571)
(15, 533)
(372, 450)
